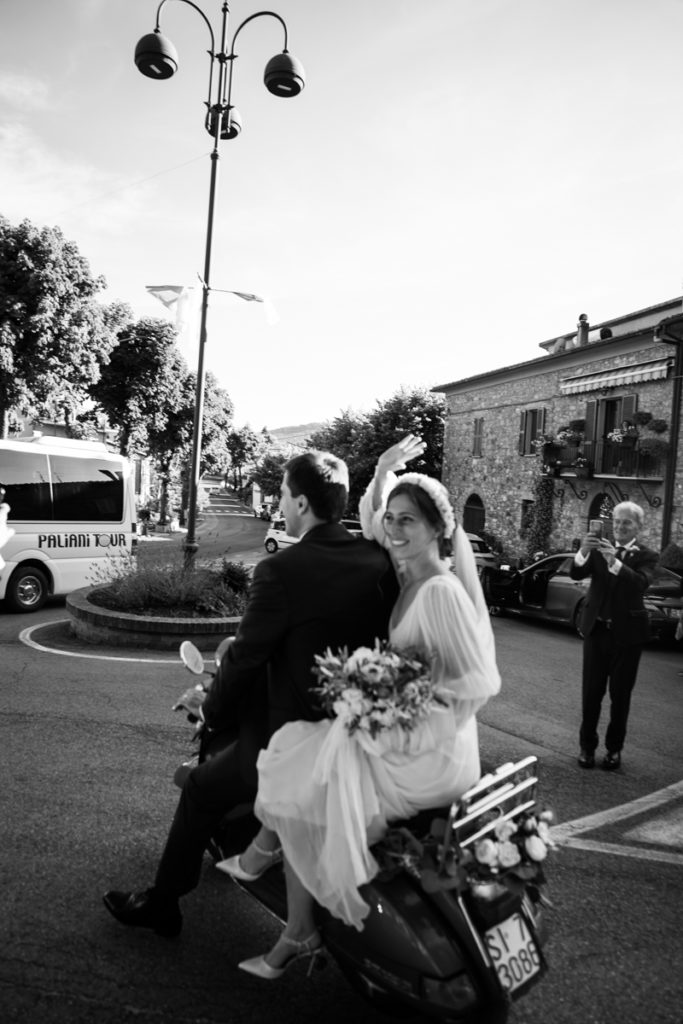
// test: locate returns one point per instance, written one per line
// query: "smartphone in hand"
(595, 527)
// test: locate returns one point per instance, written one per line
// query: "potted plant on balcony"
(548, 450)
(582, 467)
(626, 434)
(654, 449)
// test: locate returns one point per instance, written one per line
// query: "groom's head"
(315, 489)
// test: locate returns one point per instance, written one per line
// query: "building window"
(531, 424)
(527, 516)
(603, 415)
(478, 437)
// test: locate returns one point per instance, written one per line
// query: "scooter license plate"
(513, 951)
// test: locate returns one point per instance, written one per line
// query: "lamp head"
(284, 75)
(231, 123)
(156, 56)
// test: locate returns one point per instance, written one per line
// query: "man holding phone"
(614, 625)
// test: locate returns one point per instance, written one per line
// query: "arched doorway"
(474, 515)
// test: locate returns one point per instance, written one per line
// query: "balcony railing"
(607, 458)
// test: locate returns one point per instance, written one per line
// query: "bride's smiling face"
(407, 530)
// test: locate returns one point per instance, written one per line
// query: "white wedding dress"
(329, 795)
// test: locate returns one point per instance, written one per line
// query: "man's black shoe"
(586, 759)
(142, 910)
(612, 761)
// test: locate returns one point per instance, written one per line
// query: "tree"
(138, 384)
(218, 413)
(360, 439)
(216, 423)
(269, 472)
(169, 433)
(243, 446)
(54, 335)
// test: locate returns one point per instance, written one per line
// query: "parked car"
(277, 536)
(545, 590)
(483, 555)
(264, 511)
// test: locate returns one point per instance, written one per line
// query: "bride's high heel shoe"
(231, 865)
(309, 948)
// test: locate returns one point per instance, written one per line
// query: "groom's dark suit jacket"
(329, 590)
(618, 597)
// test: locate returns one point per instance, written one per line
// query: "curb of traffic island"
(96, 625)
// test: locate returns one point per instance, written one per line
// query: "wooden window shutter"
(629, 404)
(522, 431)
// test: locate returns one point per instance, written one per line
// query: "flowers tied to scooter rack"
(374, 689)
(494, 837)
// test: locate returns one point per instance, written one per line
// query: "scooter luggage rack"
(511, 791)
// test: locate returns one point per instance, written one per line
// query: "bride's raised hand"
(404, 451)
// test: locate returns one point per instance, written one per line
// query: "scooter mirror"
(191, 658)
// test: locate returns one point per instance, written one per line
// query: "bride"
(326, 796)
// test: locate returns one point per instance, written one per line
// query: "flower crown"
(439, 495)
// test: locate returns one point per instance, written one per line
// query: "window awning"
(655, 369)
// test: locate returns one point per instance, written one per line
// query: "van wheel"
(271, 545)
(27, 590)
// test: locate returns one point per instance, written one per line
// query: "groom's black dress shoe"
(144, 910)
(586, 759)
(612, 761)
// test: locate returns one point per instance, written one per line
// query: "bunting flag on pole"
(169, 294)
(186, 301)
(247, 296)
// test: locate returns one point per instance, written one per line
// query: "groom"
(330, 589)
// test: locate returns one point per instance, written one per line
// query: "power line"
(131, 184)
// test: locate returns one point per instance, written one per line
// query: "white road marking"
(25, 637)
(567, 834)
(569, 829)
(665, 830)
(635, 852)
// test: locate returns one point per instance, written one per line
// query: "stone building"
(594, 421)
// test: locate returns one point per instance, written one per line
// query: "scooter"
(430, 946)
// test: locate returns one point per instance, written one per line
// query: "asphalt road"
(89, 745)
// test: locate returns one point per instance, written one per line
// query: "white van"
(71, 505)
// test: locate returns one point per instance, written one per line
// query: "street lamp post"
(156, 57)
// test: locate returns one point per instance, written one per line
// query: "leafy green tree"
(54, 335)
(343, 436)
(243, 447)
(269, 472)
(138, 384)
(169, 433)
(360, 439)
(217, 426)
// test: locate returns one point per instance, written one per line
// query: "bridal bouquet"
(373, 689)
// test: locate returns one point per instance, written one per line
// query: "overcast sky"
(457, 182)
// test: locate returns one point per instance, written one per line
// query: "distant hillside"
(295, 435)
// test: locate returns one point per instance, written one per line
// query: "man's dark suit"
(614, 624)
(330, 589)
